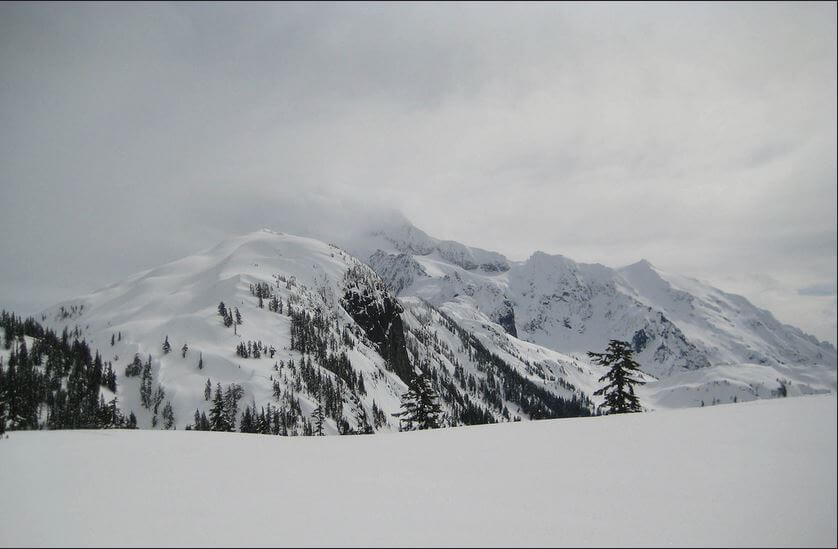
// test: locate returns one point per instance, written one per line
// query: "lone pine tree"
(420, 409)
(619, 390)
(319, 418)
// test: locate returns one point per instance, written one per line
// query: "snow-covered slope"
(325, 331)
(755, 474)
(500, 340)
(678, 326)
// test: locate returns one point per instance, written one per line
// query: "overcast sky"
(701, 137)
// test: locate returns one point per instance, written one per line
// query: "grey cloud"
(700, 136)
(822, 289)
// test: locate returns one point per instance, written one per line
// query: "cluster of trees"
(230, 317)
(224, 409)
(254, 349)
(268, 421)
(263, 291)
(284, 420)
(310, 333)
(57, 383)
(150, 398)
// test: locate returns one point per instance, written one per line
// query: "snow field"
(758, 473)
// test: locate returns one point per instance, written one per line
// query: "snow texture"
(754, 474)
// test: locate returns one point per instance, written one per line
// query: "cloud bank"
(701, 137)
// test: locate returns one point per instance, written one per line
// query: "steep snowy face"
(726, 327)
(576, 307)
(674, 322)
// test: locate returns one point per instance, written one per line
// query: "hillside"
(754, 474)
(318, 330)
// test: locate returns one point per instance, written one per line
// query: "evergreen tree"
(232, 395)
(113, 342)
(167, 347)
(319, 420)
(619, 389)
(145, 384)
(2, 404)
(168, 416)
(207, 390)
(218, 417)
(159, 395)
(184, 350)
(132, 421)
(238, 317)
(247, 423)
(135, 368)
(420, 409)
(201, 361)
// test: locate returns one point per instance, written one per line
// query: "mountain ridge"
(325, 327)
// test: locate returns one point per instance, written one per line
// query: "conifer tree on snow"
(168, 416)
(207, 390)
(619, 390)
(167, 347)
(184, 350)
(201, 361)
(420, 409)
(145, 384)
(238, 317)
(247, 423)
(319, 418)
(2, 405)
(218, 417)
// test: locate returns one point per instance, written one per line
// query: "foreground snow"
(759, 473)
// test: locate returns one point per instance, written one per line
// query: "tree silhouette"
(619, 390)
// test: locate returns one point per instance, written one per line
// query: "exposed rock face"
(506, 318)
(377, 312)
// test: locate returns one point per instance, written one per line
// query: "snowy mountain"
(326, 338)
(319, 331)
(681, 329)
